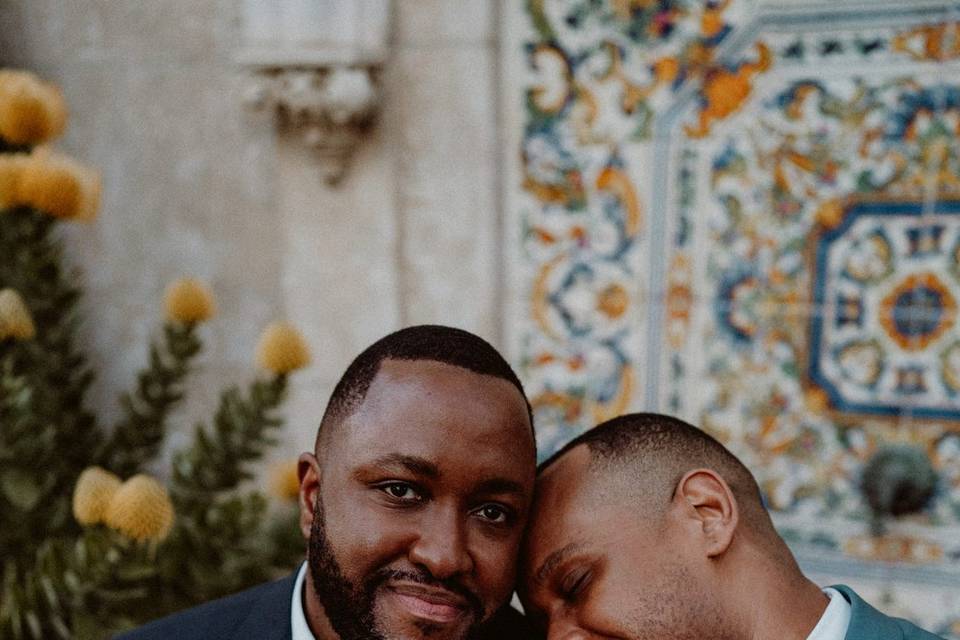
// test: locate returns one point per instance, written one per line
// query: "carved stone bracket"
(330, 106)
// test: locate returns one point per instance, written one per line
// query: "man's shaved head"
(423, 342)
(646, 454)
(647, 528)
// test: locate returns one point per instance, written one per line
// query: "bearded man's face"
(419, 504)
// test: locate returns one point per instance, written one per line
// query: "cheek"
(364, 539)
(623, 594)
(627, 602)
(495, 564)
(603, 609)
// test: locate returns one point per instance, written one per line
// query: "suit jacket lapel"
(866, 623)
(269, 617)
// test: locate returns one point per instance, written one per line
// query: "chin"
(402, 617)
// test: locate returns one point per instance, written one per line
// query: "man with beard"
(413, 503)
(645, 527)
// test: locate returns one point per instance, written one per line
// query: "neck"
(777, 600)
(313, 611)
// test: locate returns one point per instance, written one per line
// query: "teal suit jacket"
(866, 623)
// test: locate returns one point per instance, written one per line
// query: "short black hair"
(631, 440)
(433, 342)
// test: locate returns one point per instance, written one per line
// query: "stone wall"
(196, 186)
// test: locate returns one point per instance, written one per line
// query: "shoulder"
(913, 632)
(218, 619)
(866, 623)
(509, 624)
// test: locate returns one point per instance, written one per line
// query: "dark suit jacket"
(263, 613)
(866, 623)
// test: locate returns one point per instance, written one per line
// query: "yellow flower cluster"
(189, 301)
(284, 481)
(11, 169)
(50, 182)
(139, 508)
(31, 111)
(91, 497)
(282, 349)
(15, 320)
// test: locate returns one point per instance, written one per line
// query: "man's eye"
(574, 584)
(401, 491)
(493, 513)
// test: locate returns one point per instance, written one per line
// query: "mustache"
(425, 578)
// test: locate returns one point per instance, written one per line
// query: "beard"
(351, 608)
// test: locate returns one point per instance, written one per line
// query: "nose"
(441, 546)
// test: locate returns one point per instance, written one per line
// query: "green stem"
(137, 438)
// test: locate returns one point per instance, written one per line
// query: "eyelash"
(506, 513)
(385, 488)
(579, 583)
(419, 497)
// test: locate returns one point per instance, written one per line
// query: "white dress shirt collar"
(834, 621)
(298, 618)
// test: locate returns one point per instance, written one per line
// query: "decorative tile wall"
(747, 214)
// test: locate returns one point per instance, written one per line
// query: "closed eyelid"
(553, 562)
(573, 582)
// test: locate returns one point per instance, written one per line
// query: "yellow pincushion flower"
(31, 111)
(15, 320)
(189, 301)
(282, 349)
(59, 186)
(11, 168)
(284, 481)
(141, 510)
(92, 495)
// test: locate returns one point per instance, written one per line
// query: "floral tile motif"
(826, 235)
(749, 216)
(886, 340)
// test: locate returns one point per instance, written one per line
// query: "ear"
(707, 500)
(308, 469)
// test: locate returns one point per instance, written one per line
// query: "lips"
(430, 603)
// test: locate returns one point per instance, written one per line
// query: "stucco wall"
(194, 185)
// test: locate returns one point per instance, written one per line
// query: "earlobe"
(308, 470)
(712, 505)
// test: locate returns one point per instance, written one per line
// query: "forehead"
(442, 413)
(575, 508)
(563, 495)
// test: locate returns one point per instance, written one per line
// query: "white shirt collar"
(298, 619)
(834, 621)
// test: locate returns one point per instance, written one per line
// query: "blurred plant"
(84, 553)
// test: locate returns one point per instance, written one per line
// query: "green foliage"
(137, 438)
(46, 379)
(61, 580)
(241, 434)
(223, 532)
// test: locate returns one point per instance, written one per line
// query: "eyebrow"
(554, 560)
(500, 485)
(413, 464)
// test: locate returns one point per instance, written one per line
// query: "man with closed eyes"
(647, 528)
